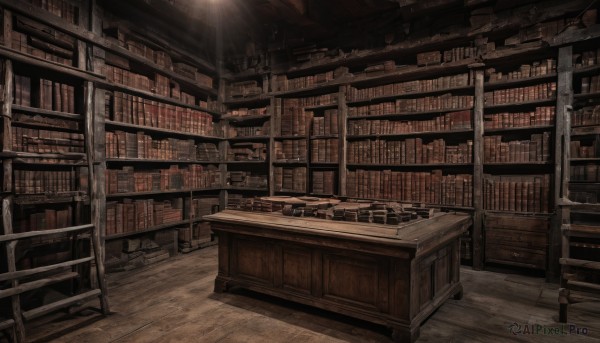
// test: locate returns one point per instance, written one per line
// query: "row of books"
(584, 193)
(589, 173)
(249, 131)
(460, 120)
(294, 122)
(28, 219)
(289, 179)
(538, 68)
(590, 84)
(48, 95)
(324, 181)
(120, 144)
(407, 87)
(127, 78)
(409, 151)
(243, 111)
(207, 152)
(318, 100)
(290, 149)
(517, 193)
(324, 150)
(432, 187)
(244, 179)
(283, 83)
(60, 8)
(452, 55)
(129, 216)
(585, 116)
(446, 102)
(325, 125)
(46, 141)
(44, 181)
(521, 94)
(503, 149)
(33, 45)
(247, 151)
(541, 116)
(585, 148)
(244, 89)
(129, 180)
(586, 58)
(204, 206)
(136, 110)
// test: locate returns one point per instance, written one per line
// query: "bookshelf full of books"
(247, 123)
(518, 160)
(580, 207)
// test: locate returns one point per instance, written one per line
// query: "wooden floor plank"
(173, 301)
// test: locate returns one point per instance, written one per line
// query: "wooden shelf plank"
(116, 124)
(406, 114)
(407, 134)
(408, 95)
(249, 138)
(251, 100)
(40, 311)
(585, 130)
(518, 129)
(30, 234)
(521, 104)
(572, 262)
(46, 113)
(143, 160)
(423, 165)
(152, 229)
(242, 119)
(158, 192)
(33, 285)
(514, 82)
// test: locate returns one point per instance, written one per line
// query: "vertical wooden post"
(7, 213)
(7, 29)
(342, 131)
(96, 212)
(272, 111)
(564, 99)
(477, 234)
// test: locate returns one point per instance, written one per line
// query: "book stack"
(518, 193)
(326, 125)
(521, 94)
(585, 116)
(294, 120)
(290, 179)
(244, 89)
(502, 149)
(22, 91)
(48, 219)
(129, 215)
(207, 152)
(31, 37)
(204, 206)
(426, 187)
(44, 181)
(544, 67)
(586, 58)
(324, 150)
(586, 173)
(127, 78)
(45, 141)
(433, 103)
(291, 150)
(590, 84)
(242, 112)
(409, 151)
(318, 100)
(136, 110)
(245, 179)
(407, 87)
(163, 59)
(541, 116)
(282, 83)
(56, 96)
(140, 49)
(452, 55)
(380, 68)
(59, 8)
(120, 144)
(460, 120)
(247, 152)
(588, 148)
(128, 180)
(162, 86)
(249, 131)
(323, 182)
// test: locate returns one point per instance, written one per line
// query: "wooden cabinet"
(389, 275)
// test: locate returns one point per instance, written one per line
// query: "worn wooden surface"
(174, 302)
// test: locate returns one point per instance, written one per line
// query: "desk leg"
(221, 285)
(404, 334)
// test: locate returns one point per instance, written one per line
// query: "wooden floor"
(173, 302)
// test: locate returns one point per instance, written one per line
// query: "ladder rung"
(7, 324)
(40, 311)
(24, 287)
(582, 284)
(23, 235)
(580, 263)
(23, 273)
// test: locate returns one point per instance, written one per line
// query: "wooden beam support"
(40, 311)
(477, 234)
(343, 142)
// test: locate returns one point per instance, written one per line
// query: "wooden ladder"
(10, 239)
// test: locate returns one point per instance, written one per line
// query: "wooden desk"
(390, 275)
